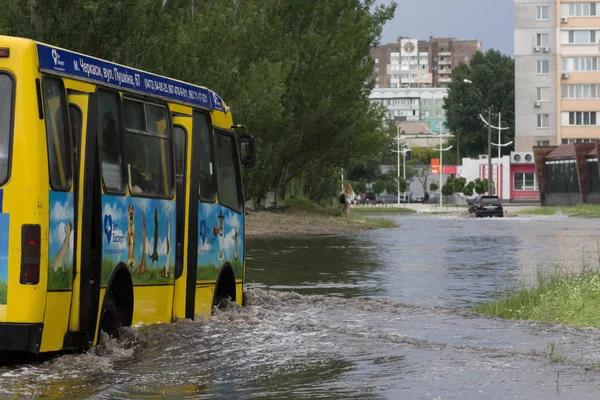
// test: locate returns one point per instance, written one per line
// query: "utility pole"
(397, 151)
(500, 129)
(490, 185)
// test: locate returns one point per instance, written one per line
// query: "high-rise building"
(557, 72)
(413, 63)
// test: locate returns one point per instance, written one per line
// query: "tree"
(469, 189)
(298, 74)
(481, 186)
(434, 186)
(448, 188)
(492, 75)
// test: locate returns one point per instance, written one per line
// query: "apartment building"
(557, 72)
(413, 63)
(424, 105)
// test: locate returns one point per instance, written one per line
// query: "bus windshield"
(6, 97)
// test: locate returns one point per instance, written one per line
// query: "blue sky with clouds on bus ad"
(147, 252)
(60, 257)
(220, 236)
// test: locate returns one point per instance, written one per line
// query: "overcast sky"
(491, 21)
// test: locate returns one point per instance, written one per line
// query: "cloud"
(205, 248)
(166, 208)
(114, 211)
(232, 221)
(162, 247)
(229, 243)
(62, 211)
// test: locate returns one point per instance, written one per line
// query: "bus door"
(201, 188)
(182, 128)
(86, 279)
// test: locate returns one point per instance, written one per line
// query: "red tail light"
(30, 254)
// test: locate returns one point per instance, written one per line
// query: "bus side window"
(149, 153)
(57, 134)
(228, 177)
(110, 140)
(206, 185)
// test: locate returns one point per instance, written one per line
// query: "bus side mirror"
(247, 151)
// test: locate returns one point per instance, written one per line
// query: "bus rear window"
(57, 134)
(6, 111)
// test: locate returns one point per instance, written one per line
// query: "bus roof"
(71, 64)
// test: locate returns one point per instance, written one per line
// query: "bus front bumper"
(21, 337)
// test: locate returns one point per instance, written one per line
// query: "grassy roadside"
(381, 210)
(580, 210)
(304, 205)
(558, 296)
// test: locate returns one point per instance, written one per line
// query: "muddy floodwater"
(376, 315)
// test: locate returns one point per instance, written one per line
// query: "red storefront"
(523, 183)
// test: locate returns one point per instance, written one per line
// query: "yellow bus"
(121, 198)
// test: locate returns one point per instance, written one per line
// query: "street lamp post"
(441, 135)
(398, 152)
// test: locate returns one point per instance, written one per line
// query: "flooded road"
(376, 315)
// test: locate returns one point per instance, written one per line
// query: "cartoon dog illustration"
(61, 256)
(131, 238)
(219, 232)
(236, 254)
(154, 256)
(166, 272)
(141, 268)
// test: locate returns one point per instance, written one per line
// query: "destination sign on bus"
(70, 63)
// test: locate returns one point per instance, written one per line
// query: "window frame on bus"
(169, 138)
(211, 146)
(69, 141)
(236, 165)
(73, 106)
(185, 147)
(120, 135)
(10, 127)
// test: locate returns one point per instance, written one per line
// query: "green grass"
(151, 276)
(580, 210)
(300, 204)
(308, 207)
(3, 292)
(60, 279)
(557, 296)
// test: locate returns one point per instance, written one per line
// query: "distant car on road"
(417, 198)
(487, 206)
(387, 199)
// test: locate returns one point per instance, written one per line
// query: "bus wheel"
(110, 321)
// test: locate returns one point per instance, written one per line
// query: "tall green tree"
(492, 77)
(298, 74)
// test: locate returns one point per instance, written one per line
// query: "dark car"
(487, 206)
(386, 199)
